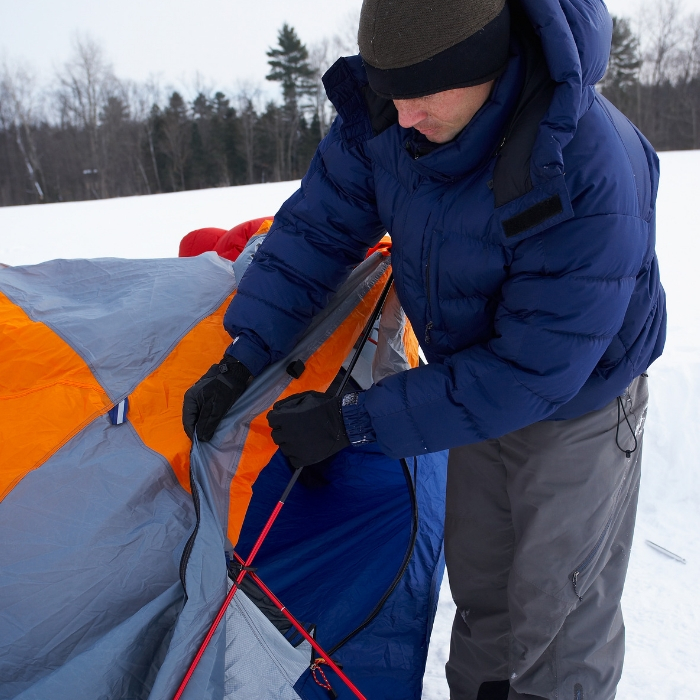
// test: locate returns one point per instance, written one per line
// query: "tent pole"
(300, 628)
(245, 569)
(367, 332)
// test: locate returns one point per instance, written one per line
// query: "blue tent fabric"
(356, 530)
(330, 558)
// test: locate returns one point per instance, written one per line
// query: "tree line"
(653, 75)
(94, 136)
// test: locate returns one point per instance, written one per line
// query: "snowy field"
(660, 602)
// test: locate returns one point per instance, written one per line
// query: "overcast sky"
(224, 41)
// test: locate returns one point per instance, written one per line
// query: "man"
(521, 209)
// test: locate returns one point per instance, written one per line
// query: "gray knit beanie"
(413, 48)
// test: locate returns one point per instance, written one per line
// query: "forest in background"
(94, 136)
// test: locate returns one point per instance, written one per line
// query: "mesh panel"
(260, 663)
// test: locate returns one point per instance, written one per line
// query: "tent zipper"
(187, 551)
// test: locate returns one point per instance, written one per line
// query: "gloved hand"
(208, 400)
(308, 427)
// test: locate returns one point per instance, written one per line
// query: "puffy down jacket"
(523, 251)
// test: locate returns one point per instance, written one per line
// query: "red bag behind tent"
(228, 244)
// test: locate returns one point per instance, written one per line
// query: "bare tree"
(141, 97)
(689, 63)
(149, 97)
(661, 33)
(86, 82)
(18, 104)
(120, 140)
(322, 55)
(344, 41)
(688, 83)
(247, 104)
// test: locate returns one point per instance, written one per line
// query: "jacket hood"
(575, 37)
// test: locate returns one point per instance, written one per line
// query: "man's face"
(441, 116)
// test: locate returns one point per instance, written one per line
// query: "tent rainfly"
(120, 538)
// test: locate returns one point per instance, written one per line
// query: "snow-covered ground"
(661, 610)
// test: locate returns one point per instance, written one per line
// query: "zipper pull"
(427, 332)
(574, 580)
(500, 147)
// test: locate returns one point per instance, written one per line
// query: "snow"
(130, 227)
(662, 619)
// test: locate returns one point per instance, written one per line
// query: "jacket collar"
(479, 140)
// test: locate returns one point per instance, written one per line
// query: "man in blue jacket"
(521, 209)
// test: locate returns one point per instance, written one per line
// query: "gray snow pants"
(538, 533)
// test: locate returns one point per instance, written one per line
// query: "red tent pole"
(234, 588)
(245, 569)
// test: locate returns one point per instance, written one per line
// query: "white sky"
(222, 41)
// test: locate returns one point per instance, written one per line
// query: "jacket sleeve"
(319, 235)
(562, 304)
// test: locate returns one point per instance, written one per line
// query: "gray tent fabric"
(260, 663)
(121, 316)
(390, 356)
(97, 531)
(246, 256)
(223, 452)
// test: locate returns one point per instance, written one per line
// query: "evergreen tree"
(625, 61)
(206, 167)
(290, 66)
(227, 135)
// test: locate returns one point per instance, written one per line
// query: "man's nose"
(411, 112)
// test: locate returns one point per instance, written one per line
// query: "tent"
(118, 540)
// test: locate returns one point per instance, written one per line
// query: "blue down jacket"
(523, 251)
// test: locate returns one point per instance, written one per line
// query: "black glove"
(208, 401)
(308, 427)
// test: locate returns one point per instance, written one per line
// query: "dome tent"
(95, 474)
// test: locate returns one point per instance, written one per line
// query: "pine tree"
(227, 133)
(290, 66)
(625, 61)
